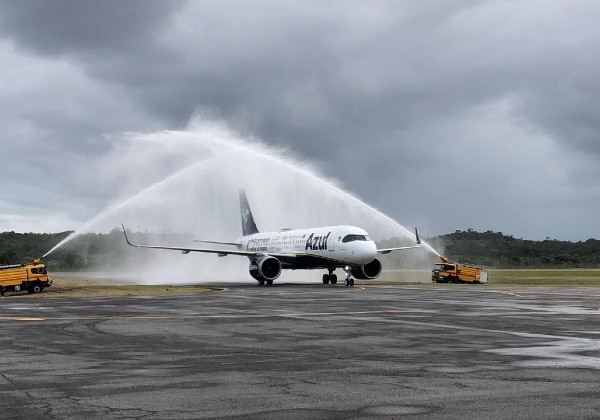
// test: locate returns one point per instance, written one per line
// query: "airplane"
(329, 247)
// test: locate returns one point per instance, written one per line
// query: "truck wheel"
(37, 288)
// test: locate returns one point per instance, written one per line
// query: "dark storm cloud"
(87, 27)
(387, 96)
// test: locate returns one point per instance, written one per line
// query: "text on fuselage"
(315, 243)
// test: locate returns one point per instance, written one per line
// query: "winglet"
(401, 248)
(126, 237)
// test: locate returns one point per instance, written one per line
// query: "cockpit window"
(351, 238)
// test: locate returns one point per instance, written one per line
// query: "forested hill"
(494, 249)
(16, 248)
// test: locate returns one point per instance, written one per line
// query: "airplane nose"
(368, 252)
(372, 249)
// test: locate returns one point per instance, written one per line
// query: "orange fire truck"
(31, 277)
(449, 272)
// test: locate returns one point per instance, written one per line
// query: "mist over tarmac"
(186, 184)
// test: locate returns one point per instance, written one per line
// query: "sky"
(447, 115)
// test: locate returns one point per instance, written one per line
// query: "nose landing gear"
(349, 280)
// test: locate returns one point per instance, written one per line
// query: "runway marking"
(208, 316)
(515, 313)
(505, 293)
(26, 318)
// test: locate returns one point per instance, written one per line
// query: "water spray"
(114, 208)
(222, 145)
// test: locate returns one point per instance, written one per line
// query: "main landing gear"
(330, 278)
(268, 282)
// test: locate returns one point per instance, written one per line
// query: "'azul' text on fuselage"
(316, 243)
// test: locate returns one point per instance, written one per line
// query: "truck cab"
(441, 272)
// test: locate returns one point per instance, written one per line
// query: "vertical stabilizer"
(248, 225)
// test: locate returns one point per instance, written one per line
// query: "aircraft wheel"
(325, 278)
(1, 291)
(261, 282)
(333, 279)
(269, 282)
(351, 282)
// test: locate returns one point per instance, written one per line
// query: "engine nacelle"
(368, 271)
(265, 268)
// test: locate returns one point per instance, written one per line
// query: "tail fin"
(248, 225)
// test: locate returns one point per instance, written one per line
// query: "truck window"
(39, 270)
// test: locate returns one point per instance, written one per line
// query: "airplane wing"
(217, 242)
(219, 252)
(388, 250)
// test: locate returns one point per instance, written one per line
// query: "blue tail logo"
(248, 225)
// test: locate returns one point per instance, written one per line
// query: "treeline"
(89, 251)
(492, 249)
(16, 248)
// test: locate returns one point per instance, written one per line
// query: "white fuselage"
(324, 246)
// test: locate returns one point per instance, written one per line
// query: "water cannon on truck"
(20, 277)
(446, 271)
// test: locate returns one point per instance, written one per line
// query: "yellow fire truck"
(31, 277)
(449, 272)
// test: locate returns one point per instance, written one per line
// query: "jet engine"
(265, 268)
(368, 271)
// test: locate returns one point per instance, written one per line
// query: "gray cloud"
(86, 28)
(406, 103)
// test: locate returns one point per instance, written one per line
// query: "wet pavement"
(305, 352)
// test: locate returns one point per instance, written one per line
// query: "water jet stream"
(222, 162)
(112, 209)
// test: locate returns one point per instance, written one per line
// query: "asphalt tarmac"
(305, 352)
